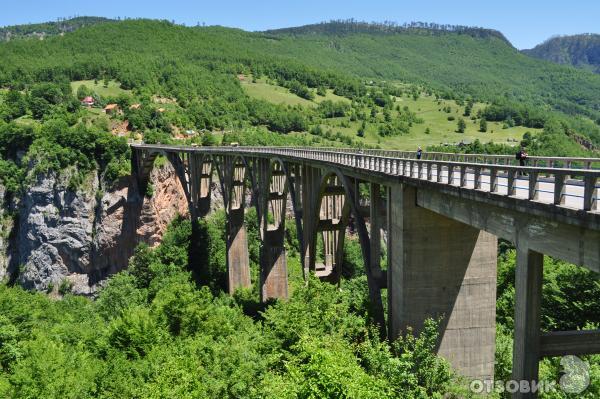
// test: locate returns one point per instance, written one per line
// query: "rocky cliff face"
(82, 236)
(4, 230)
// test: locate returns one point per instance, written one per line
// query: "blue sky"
(524, 22)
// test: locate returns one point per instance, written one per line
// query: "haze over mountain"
(581, 51)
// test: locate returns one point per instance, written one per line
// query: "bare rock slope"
(82, 236)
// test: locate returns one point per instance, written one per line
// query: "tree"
(16, 104)
(83, 91)
(483, 125)
(461, 125)
(468, 108)
(39, 107)
(362, 129)
(387, 115)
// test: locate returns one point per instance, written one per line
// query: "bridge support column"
(273, 189)
(440, 268)
(528, 298)
(238, 260)
(375, 219)
(311, 180)
(201, 179)
(274, 278)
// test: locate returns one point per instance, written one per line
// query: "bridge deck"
(573, 192)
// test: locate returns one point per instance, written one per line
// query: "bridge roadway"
(443, 214)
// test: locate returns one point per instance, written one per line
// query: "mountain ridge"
(350, 26)
(50, 28)
(581, 51)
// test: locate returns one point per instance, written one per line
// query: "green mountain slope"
(487, 67)
(199, 67)
(582, 51)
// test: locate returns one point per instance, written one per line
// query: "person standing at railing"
(522, 156)
(419, 152)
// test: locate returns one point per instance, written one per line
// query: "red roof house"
(88, 101)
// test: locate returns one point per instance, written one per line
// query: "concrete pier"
(440, 268)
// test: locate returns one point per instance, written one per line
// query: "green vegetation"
(154, 332)
(480, 64)
(164, 328)
(194, 82)
(112, 89)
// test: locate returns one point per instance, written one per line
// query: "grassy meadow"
(435, 129)
(112, 90)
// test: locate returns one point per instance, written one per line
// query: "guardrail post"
(439, 169)
(589, 183)
(464, 176)
(533, 185)
(477, 178)
(512, 184)
(493, 180)
(559, 187)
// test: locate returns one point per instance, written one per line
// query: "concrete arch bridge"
(443, 215)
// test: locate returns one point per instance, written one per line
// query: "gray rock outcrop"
(79, 237)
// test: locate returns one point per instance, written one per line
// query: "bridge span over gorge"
(443, 215)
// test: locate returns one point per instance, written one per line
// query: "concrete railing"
(557, 183)
(550, 162)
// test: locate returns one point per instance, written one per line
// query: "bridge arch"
(235, 173)
(274, 189)
(337, 203)
(194, 172)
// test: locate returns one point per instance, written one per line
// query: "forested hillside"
(482, 65)
(48, 28)
(581, 51)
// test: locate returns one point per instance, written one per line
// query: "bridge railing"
(575, 188)
(571, 187)
(549, 162)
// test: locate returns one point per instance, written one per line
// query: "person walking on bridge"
(419, 152)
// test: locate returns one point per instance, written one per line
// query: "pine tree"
(483, 125)
(461, 125)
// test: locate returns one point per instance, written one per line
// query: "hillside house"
(88, 101)
(135, 106)
(111, 109)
